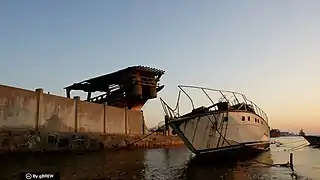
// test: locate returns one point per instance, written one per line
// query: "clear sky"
(268, 50)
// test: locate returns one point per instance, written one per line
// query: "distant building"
(275, 133)
(287, 134)
(301, 133)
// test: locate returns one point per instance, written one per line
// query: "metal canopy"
(127, 87)
(102, 83)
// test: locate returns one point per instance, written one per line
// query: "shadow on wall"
(56, 124)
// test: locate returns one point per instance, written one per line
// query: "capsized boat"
(232, 125)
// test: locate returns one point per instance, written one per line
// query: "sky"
(268, 50)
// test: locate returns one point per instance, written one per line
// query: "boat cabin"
(221, 106)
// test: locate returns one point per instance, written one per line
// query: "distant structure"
(275, 133)
(278, 133)
(131, 87)
(287, 134)
(301, 133)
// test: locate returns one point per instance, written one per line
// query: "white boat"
(231, 124)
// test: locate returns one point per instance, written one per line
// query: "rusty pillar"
(137, 85)
(153, 88)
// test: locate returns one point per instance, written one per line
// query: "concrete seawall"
(32, 120)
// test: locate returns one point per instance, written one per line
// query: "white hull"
(222, 129)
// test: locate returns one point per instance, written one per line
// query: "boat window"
(255, 119)
(261, 122)
(243, 118)
(258, 120)
(248, 118)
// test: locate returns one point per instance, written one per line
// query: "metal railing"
(235, 99)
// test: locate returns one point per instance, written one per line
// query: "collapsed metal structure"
(131, 87)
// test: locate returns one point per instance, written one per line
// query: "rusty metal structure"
(131, 87)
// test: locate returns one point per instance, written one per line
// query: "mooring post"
(291, 161)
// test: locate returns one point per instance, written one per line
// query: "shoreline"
(41, 142)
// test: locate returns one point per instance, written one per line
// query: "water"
(165, 164)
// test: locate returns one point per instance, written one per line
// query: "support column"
(68, 93)
(39, 103)
(137, 85)
(76, 119)
(105, 118)
(89, 96)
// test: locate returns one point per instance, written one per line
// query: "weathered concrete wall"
(91, 117)
(135, 122)
(18, 108)
(116, 120)
(21, 108)
(57, 114)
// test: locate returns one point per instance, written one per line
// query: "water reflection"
(234, 171)
(165, 163)
(170, 164)
(94, 165)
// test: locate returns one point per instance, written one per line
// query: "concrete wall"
(116, 120)
(57, 114)
(135, 122)
(91, 117)
(18, 108)
(34, 110)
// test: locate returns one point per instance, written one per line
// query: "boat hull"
(313, 140)
(220, 132)
(229, 155)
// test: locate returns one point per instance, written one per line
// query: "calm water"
(166, 164)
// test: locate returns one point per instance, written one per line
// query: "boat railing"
(237, 101)
(169, 112)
